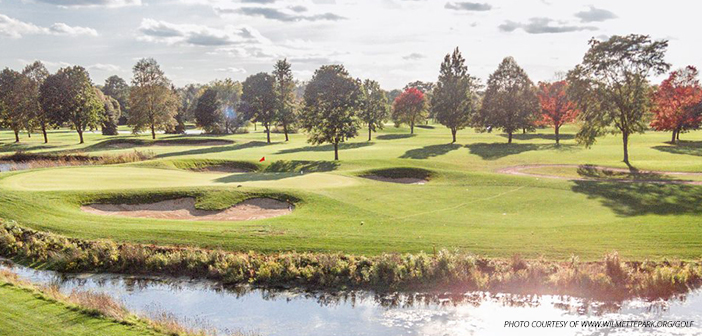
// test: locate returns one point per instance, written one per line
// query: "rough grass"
(442, 271)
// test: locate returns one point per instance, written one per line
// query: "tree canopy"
(117, 88)
(409, 108)
(611, 86)
(259, 100)
(332, 100)
(153, 102)
(453, 100)
(556, 108)
(676, 102)
(284, 94)
(16, 103)
(510, 101)
(374, 106)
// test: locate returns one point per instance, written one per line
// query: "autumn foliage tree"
(556, 108)
(409, 108)
(675, 103)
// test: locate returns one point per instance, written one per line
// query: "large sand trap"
(184, 208)
(402, 180)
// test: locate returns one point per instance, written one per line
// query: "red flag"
(262, 159)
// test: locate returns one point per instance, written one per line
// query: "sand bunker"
(184, 208)
(402, 180)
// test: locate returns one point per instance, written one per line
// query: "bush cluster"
(442, 271)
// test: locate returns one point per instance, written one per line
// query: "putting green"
(121, 177)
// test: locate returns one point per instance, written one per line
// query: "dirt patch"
(647, 176)
(402, 180)
(184, 208)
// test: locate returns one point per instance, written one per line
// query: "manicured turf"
(466, 205)
(27, 313)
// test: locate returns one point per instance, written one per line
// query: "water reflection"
(296, 312)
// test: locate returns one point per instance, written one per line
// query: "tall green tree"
(510, 102)
(229, 94)
(188, 96)
(208, 115)
(13, 89)
(284, 94)
(36, 73)
(453, 100)
(374, 106)
(118, 88)
(111, 113)
(611, 86)
(69, 97)
(331, 103)
(259, 100)
(153, 103)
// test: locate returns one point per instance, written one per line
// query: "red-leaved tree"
(676, 103)
(409, 108)
(556, 108)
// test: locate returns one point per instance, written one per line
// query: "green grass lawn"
(25, 312)
(467, 205)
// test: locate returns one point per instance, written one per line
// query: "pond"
(207, 304)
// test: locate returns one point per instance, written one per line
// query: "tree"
(188, 102)
(556, 108)
(229, 96)
(153, 103)
(331, 103)
(117, 88)
(453, 101)
(111, 113)
(259, 100)
(208, 115)
(510, 101)
(374, 106)
(611, 88)
(37, 74)
(13, 88)
(675, 103)
(409, 108)
(69, 97)
(284, 94)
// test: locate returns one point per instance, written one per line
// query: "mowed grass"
(28, 313)
(467, 205)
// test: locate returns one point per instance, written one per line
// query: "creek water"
(205, 304)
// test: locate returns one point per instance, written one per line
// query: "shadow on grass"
(14, 147)
(394, 136)
(326, 148)
(683, 147)
(304, 166)
(533, 136)
(494, 151)
(216, 149)
(635, 199)
(593, 172)
(429, 151)
(425, 126)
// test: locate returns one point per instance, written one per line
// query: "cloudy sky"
(392, 41)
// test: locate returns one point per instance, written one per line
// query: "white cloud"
(104, 67)
(198, 35)
(14, 28)
(92, 3)
(231, 70)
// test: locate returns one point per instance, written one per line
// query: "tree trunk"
(153, 131)
(453, 133)
(558, 140)
(29, 134)
(412, 127)
(336, 151)
(285, 130)
(254, 126)
(80, 135)
(674, 136)
(523, 130)
(17, 136)
(43, 131)
(509, 139)
(677, 135)
(369, 132)
(625, 140)
(268, 133)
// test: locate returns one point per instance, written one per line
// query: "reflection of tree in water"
(352, 298)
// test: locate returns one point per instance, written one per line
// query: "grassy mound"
(134, 142)
(215, 165)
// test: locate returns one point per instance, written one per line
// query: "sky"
(392, 41)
